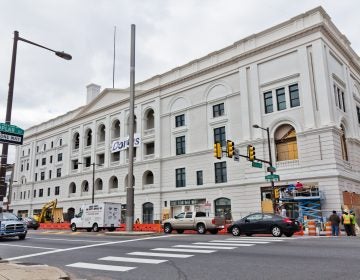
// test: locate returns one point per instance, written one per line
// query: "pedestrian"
(353, 222)
(335, 222)
(137, 221)
(346, 221)
(283, 211)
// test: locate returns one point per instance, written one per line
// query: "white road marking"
(224, 244)
(101, 266)
(70, 240)
(240, 241)
(134, 260)
(85, 246)
(149, 254)
(24, 246)
(258, 238)
(184, 250)
(204, 247)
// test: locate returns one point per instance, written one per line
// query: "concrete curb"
(131, 233)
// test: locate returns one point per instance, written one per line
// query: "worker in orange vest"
(346, 221)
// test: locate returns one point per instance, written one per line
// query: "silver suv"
(10, 226)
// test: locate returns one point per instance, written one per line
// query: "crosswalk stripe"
(101, 266)
(240, 241)
(184, 250)
(204, 247)
(224, 244)
(258, 239)
(134, 260)
(150, 254)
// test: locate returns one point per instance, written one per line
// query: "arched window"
(223, 208)
(101, 133)
(286, 143)
(149, 119)
(148, 178)
(148, 213)
(76, 141)
(344, 152)
(98, 184)
(72, 188)
(115, 129)
(85, 186)
(113, 182)
(88, 137)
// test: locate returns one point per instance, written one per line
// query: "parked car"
(198, 221)
(11, 225)
(264, 223)
(31, 223)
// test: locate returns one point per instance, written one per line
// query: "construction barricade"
(311, 228)
(328, 231)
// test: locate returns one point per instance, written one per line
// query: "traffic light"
(276, 193)
(217, 150)
(251, 152)
(230, 148)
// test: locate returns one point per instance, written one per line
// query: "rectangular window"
(280, 99)
(37, 149)
(180, 120)
(358, 113)
(219, 136)
(87, 161)
(51, 159)
(75, 164)
(57, 190)
(34, 193)
(180, 145)
(199, 177)
(48, 191)
(220, 172)
(43, 161)
(149, 148)
(37, 163)
(343, 100)
(49, 174)
(58, 172)
(294, 95)
(339, 97)
(218, 110)
(52, 144)
(100, 158)
(42, 176)
(35, 177)
(115, 156)
(59, 157)
(28, 193)
(27, 166)
(180, 177)
(41, 192)
(44, 147)
(22, 167)
(268, 102)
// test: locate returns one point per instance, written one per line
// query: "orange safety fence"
(54, 225)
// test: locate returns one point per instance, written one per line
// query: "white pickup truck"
(194, 221)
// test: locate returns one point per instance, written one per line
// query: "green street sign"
(256, 164)
(272, 177)
(13, 129)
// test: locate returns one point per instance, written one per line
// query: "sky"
(168, 34)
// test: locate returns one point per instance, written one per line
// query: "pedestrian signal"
(251, 152)
(217, 150)
(230, 148)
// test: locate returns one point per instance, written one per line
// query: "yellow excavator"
(47, 212)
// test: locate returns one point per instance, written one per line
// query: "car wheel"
(276, 231)
(201, 228)
(22, 236)
(88, 229)
(213, 231)
(73, 227)
(167, 228)
(248, 234)
(95, 227)
(235, 231)
(180, 231)
(289, 234)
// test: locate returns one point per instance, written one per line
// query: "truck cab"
(11, 226)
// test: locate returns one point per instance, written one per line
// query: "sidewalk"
(30, 271)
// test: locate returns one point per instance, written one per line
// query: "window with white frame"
(339, 96)
(218, 110)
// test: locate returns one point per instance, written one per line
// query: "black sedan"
(264, 223)
(31, 223)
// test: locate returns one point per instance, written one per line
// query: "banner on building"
(123, 143)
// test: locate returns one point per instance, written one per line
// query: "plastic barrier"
(311, 228)
(328, 231)
(54, 226)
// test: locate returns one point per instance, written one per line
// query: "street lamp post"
(93, 179)
(5, 146)
(270, 163)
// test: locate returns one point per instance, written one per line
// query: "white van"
(102, 215)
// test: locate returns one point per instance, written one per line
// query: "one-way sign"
(11, 138)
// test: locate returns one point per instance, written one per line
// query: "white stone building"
(300, 78)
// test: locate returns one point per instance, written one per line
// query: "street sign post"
(256, 164)
(11, 134)
(272, 177)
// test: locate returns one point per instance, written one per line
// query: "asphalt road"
(166, 257)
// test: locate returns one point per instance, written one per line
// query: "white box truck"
(101, 215)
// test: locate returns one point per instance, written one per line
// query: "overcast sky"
(168, 34)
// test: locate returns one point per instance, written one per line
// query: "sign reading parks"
(11, 134)
(123, 143)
